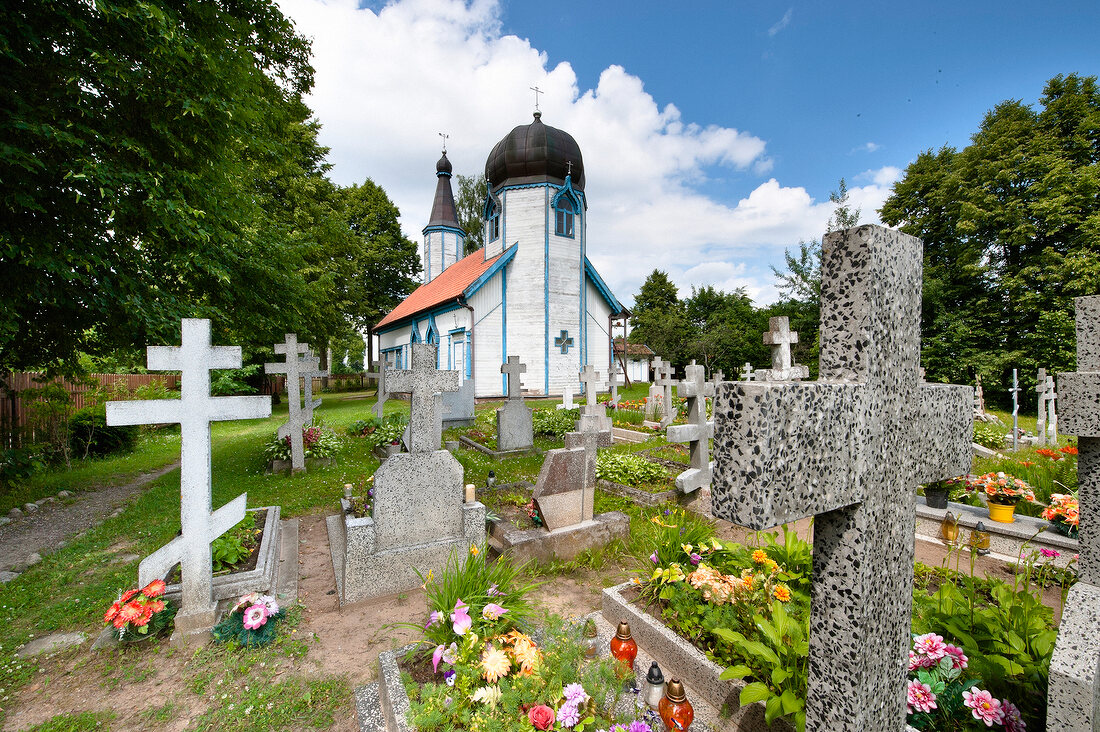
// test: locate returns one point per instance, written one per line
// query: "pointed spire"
(443, 207)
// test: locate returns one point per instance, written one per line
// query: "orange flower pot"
(1002, 513)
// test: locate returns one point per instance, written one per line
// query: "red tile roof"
(449, 285)
(632, 349)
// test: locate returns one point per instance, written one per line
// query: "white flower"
(488, 695)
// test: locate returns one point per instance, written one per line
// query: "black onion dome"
(535, 153)
(444, 165)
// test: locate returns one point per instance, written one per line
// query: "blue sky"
(712, 132)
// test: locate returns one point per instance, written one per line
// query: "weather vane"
(444, 136)
(537, 91)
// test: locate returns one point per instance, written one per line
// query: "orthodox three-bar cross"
(310, 369)
(613, 384)
(379, 376)
(295, 419)
(422, 383)
(697, 432)
(850, 450)
(193, 411)
(512, 370)
(1041, 423)
(666, 382)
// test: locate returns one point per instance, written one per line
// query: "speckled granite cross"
(422, 382)
(194, 411)
(1074, 691)
(295, 419)
(697, 432)
(850, 450)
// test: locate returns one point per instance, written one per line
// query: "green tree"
(659, 319)
(134, 136)
(1010, 225)
(725, 330)
(469, 205)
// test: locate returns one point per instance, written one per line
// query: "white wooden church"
(530, 292)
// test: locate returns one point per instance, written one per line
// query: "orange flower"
(154, 589)
(111, 612)
(1045, 452)
(127, 595)
(1068, 450)
(156, 605)
(782, 593)
(759, 556)
(129, 612)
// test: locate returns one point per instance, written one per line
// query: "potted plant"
(1062, 513)
(936, 494)
(1003, 493)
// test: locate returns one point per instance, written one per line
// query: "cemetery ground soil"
(154, 688)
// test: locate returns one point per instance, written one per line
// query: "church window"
(564, 217)
(494, 226)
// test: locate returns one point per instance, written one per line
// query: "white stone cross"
(381, 395)
(979, 395)
(513, 369)
(193, 411)
(613, 383)
(295, 420)
(850, 450)
(780, 337)
(697, 432)
(1041, 388)
(567, 398)
(747, 374)
(1074, 688)
(590, 378)
(423, 382)
(666, 382)
(654, 390)
(1052, 414)
(1015, 391)
(310, 368)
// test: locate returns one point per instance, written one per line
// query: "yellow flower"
(495, 664)
(688, 548)
(782, 593)
(772, 565)
(474, 551)
(527, 656)
(759, 556)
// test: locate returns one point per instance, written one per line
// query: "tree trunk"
(324, 356)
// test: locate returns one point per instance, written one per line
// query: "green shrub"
(628, 468)
(236, 544)
(232, 381)
(319, 442)
(91, 437)
(987, 435)
(554, 422)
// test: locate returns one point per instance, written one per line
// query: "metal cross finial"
(569, 167)
(537, 91)
(444, 136)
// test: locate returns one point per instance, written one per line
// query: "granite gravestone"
(193, 411)
(419, 516)
(697, 432)
(515, 430)
(1074, 688)
(565, 489)
(593, 417)
(295, 421)
(844, 449)
(780, 337)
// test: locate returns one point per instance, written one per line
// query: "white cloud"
(388, 81)
(783, 23)
(868, 147)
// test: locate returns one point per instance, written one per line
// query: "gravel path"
(54, 523)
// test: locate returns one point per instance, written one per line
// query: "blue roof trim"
(616, 306)
(505, 258)
(567, 190)
(441, 227)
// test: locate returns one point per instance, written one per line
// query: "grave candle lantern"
(675, 709)
(591, 641)
(623, 646)
(655, 686)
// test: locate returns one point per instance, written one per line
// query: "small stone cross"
(193, 411)
(1052, 414)
(567, 398)
(697, 432)
(379, 376)
(590, 378)
(780, 337)
(295, 421)
(513, 369)
(979, 395)
(850, 450)
(1041, 423)
(666, 382)
(1015, 391)
(1074, 687)
(563, 341)
(310, 368)
(423, 382)
(747, 374)
(613, 383)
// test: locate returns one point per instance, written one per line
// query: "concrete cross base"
(564, 544)
(599, 424)
(287, 466)
(194, 628)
